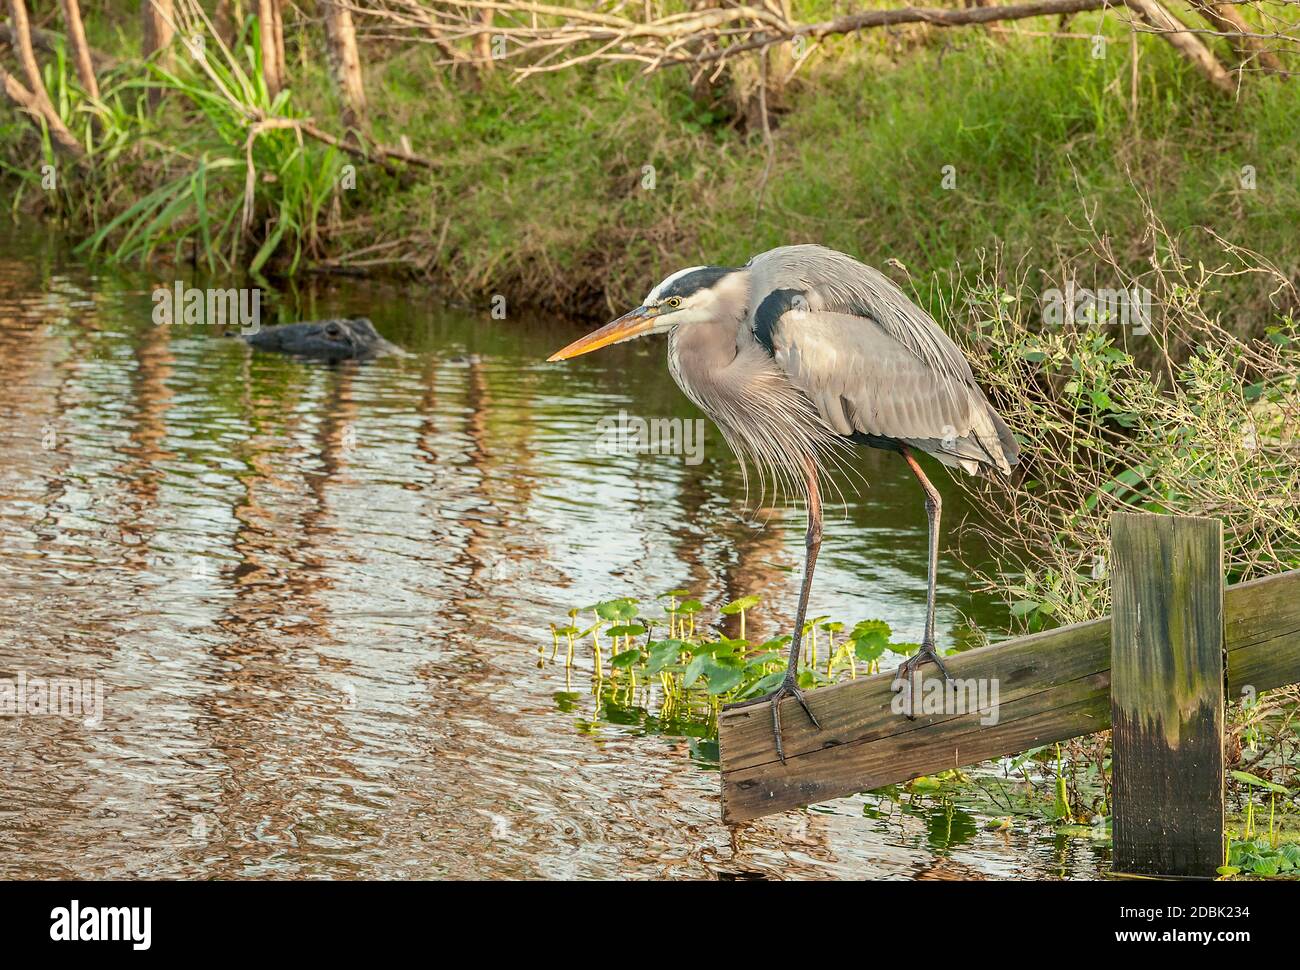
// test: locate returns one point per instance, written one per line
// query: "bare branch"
(1229, 21)
(1185, 42)
(48, 42)
(36, 102)
(79, 49)
(543, 37)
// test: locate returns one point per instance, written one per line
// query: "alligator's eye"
(674, 301)
(333, 330)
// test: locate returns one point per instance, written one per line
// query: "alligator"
(330, 340)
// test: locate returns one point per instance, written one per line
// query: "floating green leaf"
(694, 669)
(663, 654)
(870, 638)
(617, 610)
(628, 630)
(744, 603)
(1256, 782)
(723, 679)
(764, 685)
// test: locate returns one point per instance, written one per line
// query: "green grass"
(538, 190)
(540, 183)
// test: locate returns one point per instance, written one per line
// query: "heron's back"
(877, 368)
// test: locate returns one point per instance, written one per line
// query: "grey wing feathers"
(872, 361)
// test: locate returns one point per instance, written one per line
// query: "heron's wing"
(873, 362)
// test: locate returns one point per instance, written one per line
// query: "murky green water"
(314, 597)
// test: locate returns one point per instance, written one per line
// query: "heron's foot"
(903, 676)
(788, 688)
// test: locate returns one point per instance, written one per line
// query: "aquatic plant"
(660, 667)
(692, 669)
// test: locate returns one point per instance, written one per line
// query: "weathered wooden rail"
(1175, 633)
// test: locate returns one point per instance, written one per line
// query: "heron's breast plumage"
(767, 420)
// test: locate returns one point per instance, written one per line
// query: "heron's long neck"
(703, 348)
(701, 355)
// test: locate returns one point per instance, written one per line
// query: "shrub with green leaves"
(1178, 416)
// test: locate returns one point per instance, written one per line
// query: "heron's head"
(700, 294)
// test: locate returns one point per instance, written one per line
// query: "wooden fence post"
(1167, 694)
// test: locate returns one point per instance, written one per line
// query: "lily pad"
(1246, 778)
(617, 610)
(744, 603)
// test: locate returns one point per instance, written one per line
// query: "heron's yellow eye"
(674, 301)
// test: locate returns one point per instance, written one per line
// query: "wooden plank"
(1167, 694)
(1052, 686)
(1262, 632)
(863, 710)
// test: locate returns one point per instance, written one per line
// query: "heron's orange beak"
(626, 327)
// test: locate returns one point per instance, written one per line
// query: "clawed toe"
(788, 688)
(903, 676)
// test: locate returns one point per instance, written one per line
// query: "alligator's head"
(331, 340)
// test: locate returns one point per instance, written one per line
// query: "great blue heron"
(801, 351)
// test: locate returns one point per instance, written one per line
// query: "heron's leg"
(928, 652)
(790, 685)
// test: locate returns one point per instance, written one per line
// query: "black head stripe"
(696, 280)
